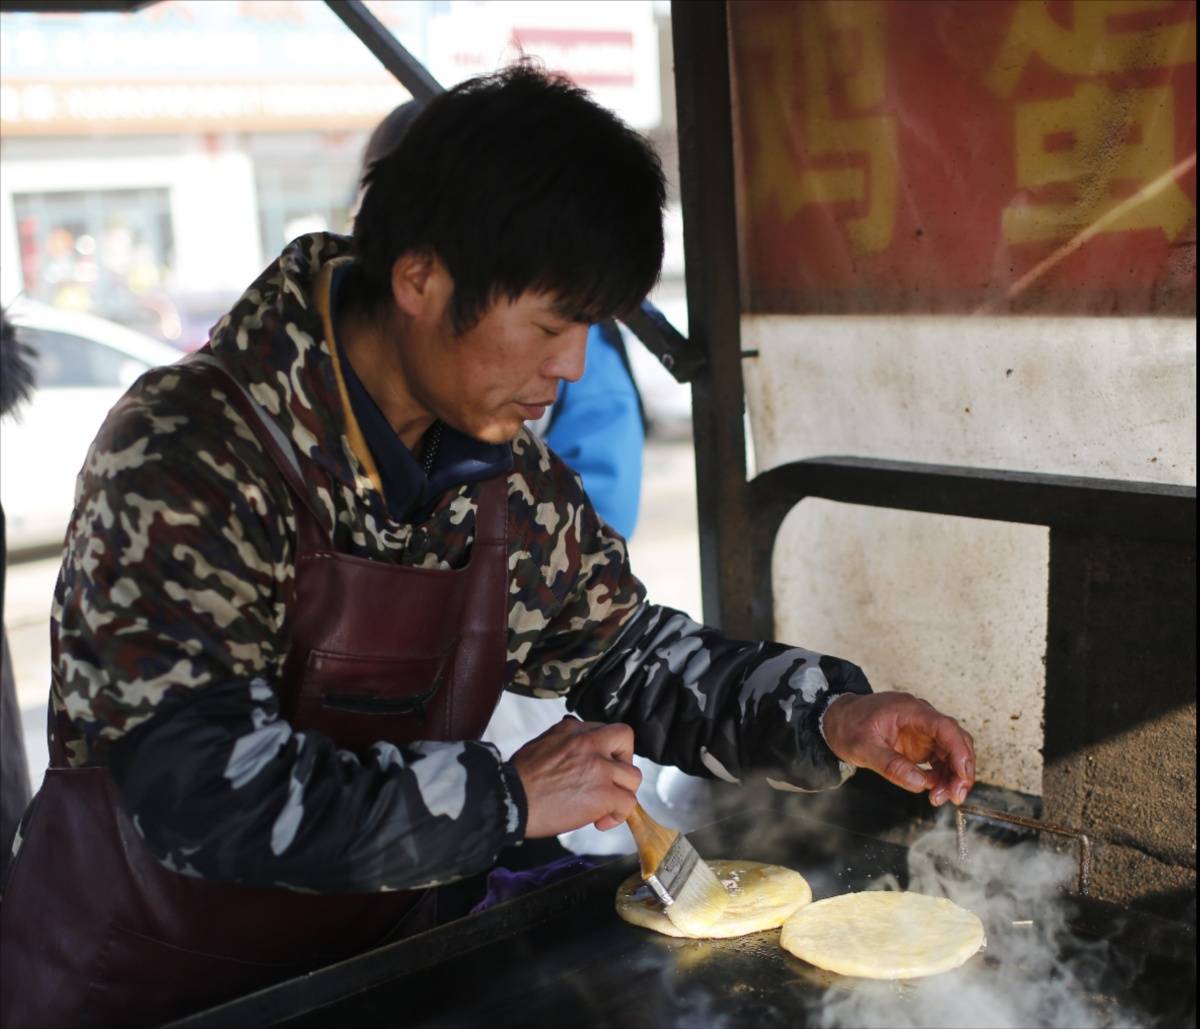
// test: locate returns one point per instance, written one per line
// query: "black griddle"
(561, 957)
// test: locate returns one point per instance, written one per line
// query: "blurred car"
(84, 365)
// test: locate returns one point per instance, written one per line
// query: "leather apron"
(95, 932)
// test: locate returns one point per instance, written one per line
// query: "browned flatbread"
(760, 897)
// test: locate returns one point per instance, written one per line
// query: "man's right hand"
(575, 773)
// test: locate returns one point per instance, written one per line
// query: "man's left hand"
(892, 733)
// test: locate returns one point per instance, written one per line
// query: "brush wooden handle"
(653, 840)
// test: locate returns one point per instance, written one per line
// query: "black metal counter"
(560, 956)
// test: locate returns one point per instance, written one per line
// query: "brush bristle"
(699, 902)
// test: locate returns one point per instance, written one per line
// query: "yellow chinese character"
(843, 54)
(1116, 138)
(1093, 45)
(1099, 145)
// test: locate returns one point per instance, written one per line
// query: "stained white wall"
(954, 609)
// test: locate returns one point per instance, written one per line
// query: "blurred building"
(153, 163)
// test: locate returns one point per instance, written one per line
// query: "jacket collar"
(274, 342)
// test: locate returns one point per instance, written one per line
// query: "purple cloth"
(504, 884)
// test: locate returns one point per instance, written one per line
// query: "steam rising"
(1034, 972)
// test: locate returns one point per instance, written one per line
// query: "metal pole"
(704, 112)
(413, 75)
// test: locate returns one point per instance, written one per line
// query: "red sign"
(590, 57)
(1005, 156)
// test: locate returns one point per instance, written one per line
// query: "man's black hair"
(517, 181)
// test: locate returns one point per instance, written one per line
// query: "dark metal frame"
(739, 519)
(392, 54)
(704, 106)
(1109, 507)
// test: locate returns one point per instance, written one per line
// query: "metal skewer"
(1085, 843)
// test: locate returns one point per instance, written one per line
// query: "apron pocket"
(361, 700)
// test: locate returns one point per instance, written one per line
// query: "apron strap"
(491, 521)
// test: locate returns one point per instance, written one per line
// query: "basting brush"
(692, 895)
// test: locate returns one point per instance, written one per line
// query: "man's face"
(503, 371)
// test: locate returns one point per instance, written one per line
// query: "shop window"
(108, 253)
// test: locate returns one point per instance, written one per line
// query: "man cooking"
(303, 566)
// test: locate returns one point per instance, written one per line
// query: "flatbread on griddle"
(883, 935)
(760, 897)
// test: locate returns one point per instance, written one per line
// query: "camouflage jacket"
(169, 628)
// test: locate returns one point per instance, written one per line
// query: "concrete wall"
(1121, 713)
